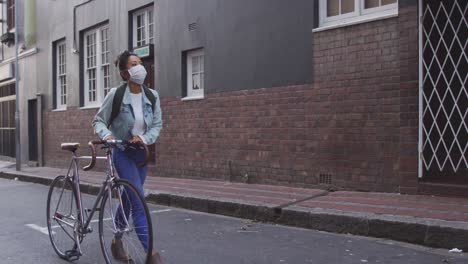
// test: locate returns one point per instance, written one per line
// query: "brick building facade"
(342, 112)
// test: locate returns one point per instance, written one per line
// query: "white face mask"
(137, 74)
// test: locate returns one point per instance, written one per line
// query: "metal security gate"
(443, 90)
(7, 120)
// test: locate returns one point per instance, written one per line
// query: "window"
(105, 59)
(61, 74)
(195, 74)
(143, 27)
(335, 12)
(96, 65)
(10, 14)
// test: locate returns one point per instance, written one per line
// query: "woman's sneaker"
(118, 251)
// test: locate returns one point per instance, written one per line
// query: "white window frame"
(99, 66)
(358, 16)
(147, 12)
(105, 61)
(61, 61)
(191, 93)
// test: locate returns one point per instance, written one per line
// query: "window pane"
(10, 14)
(371, 3)
(106, 75)
(141, 20)
(150, 17)
(195, 64)
(195, 81)
(143, 35)
(387, 2)
(63, 86)
(91, 50)
(141, 28)
(333, 7)
(92, 85)
(347, 6)
(151, 34)
(105, 45)
(202, 81)
(202, 63)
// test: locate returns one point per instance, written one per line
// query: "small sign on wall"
(145, 51)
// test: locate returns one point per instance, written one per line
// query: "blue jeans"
(125, 163)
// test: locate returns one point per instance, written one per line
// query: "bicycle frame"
(83, 224)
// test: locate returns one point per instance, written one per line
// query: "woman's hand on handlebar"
(136, 140)
(109, 137)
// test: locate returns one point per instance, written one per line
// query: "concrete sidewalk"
(431, 221)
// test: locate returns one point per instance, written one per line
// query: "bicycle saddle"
(70, 146)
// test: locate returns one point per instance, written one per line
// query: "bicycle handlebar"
(92, 146)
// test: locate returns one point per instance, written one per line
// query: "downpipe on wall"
(17, 112)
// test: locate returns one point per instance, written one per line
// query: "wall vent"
(325, 178)
(193, 26)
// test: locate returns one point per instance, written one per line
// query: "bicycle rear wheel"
(62, 217)
(124, 217)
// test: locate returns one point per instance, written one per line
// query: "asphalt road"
(190, 237)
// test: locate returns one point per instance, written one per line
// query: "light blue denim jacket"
(122, 125)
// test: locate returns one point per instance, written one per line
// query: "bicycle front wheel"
(62, 216)
(125, 230)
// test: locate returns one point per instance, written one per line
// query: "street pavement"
(439, 222)
(191, 237)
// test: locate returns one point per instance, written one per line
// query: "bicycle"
(117, 201)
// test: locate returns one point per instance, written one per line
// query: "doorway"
(443, 82)
(32, 130)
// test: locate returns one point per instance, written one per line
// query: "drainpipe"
(17, 112)
(75, 49)
(3, 22)
(29, 22)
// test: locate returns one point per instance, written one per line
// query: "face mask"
(137, 74)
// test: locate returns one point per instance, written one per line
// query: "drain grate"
(325, 178)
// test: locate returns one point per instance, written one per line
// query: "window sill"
(193, 98)
(355, 21)
(21, 55)
(59, 109)
(90, 107)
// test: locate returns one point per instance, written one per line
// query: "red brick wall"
(358, 104)
(367, 75)
(263, 133)
(73, 125)
(409, 95)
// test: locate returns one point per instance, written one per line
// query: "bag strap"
(149, 94)
(117, 102)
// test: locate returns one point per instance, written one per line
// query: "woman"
(137, 123)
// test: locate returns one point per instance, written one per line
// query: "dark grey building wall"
(248, 44)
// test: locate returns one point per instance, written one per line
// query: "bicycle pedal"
(72, 255)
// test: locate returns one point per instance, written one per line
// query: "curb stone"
(431, 233)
